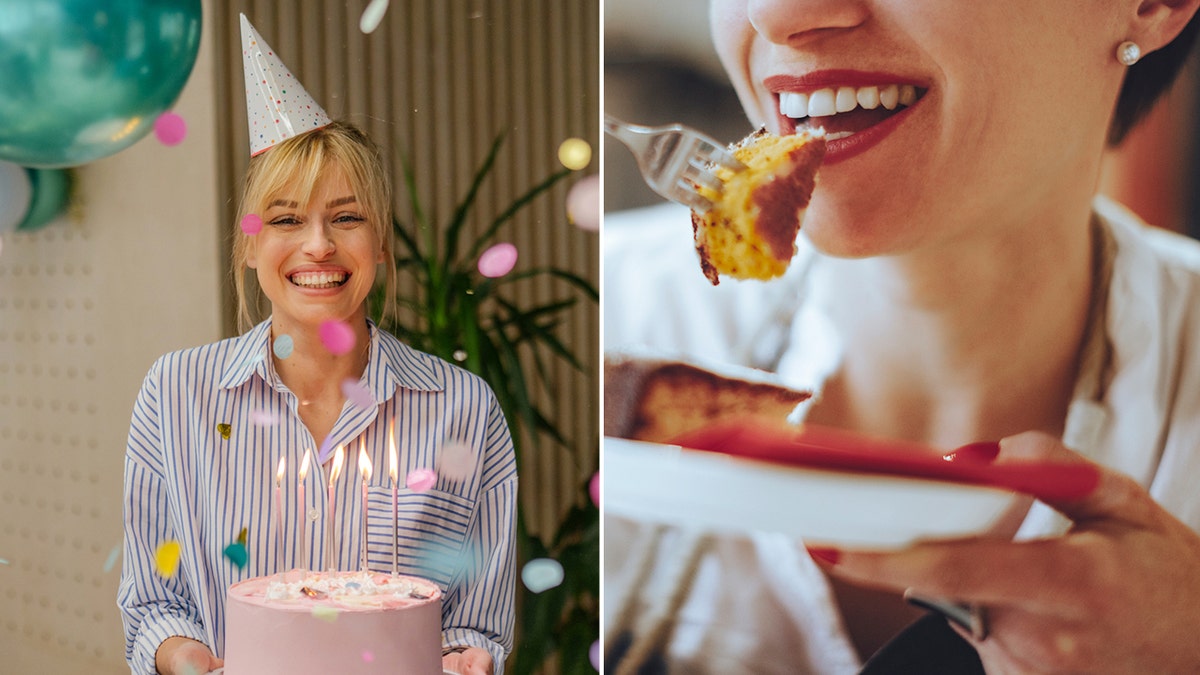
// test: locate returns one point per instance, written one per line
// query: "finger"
(1114, 497)
(1042, 576)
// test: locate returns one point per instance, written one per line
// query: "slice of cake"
(658, 400)
(333, 622)
(750, 233)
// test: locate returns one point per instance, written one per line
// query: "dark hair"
(1148, 79)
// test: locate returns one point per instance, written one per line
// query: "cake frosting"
(333, 622)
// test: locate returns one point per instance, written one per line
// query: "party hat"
(277, 106)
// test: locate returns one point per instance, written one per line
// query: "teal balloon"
(51, 193)
(84, 79)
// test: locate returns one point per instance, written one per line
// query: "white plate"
(669, 484)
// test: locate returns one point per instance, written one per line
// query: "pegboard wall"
(86, 304)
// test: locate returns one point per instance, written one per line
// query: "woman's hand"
(470, 661)
(184, 656)
(1120, 593)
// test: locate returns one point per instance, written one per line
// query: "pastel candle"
(339, 456)
(393, 472)
(303, 506)
(364, 469)
(279, 513)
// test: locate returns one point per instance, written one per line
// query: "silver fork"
(674, 159)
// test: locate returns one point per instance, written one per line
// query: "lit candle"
(393, 472)
(364, 468)
(279, 514)
(303, 563)
(339, 456)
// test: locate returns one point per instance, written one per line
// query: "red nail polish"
(829, 556)
(983, 452)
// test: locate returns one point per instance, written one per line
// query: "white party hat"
(277, 106)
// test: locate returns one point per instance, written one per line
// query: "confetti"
(456, 461)
(237, 554)
(498, 260)
(170, 129)
(420, 480)
(4, 561)
(594, 655)
(542, 574)
(327, 614)
(337, 336)
(459, 355)
(372, 16)
(357, 393)
(583, 203)
(251, 224)
(325, 450)
(1, 244)
(263, 418)
(368, 656)
(241, 538)
(111, 561)
(166, 558)
(594, 488)
(225, 430)
(283, 346)
(575, 153)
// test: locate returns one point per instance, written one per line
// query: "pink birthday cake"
(333, 622)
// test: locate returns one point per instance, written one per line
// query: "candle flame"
(364, 462)
(304, 464)
(339, 456)
(393, 457)
(280, 472)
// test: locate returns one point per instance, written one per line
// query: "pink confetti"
(583, 203)
(357, 393)
(594, 655)
(420, 480)
(456, 461)
(498, 260)
(251, 224)
(337, 336)
(594, 488)
(368, 656)
(325, 450)
(263, 418)
(170, 129)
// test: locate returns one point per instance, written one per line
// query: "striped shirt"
(209, 427)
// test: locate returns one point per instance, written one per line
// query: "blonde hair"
(299, 163)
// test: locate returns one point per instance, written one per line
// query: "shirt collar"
(391, 363)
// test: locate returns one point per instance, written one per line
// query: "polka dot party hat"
(277, 106)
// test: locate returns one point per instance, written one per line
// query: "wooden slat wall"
(437, 81)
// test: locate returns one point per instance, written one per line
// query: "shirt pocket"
(429, 539)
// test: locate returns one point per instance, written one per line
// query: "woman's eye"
(285, 220)
(348, 219)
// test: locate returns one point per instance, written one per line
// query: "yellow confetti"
(575, 153)
(242, 536)
(166, 558)
(224, 430)
(326, 614)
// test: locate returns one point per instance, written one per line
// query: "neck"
(973, 339)
(312, 372)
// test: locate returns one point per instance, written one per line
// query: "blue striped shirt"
(208, 430)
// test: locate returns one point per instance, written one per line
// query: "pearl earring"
(1128, 53)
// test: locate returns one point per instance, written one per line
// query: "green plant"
(460, 315)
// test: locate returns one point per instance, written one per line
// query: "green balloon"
(84, 79)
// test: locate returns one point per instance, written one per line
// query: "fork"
(675, 159)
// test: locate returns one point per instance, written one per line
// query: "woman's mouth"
(319, 280)
(844, 111)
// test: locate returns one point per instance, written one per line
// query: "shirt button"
(313, 515)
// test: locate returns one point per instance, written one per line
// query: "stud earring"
(1128, 53)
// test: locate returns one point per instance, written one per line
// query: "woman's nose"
(318, 240)
(791, 22)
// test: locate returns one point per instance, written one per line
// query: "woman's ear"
(1157, 22)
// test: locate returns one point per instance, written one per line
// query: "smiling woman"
(956, 279)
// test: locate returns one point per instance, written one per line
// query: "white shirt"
(758, 604)
(208, 429)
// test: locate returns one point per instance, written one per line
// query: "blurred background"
(660, 67)
(128, 257)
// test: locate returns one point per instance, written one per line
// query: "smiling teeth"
(830, 101)
(319, 279)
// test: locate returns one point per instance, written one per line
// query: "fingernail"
(829, 556)
(983, 452)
